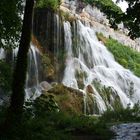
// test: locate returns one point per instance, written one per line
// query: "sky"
(123, 5)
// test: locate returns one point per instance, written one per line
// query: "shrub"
(122, 115)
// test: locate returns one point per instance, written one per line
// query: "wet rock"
(45, 85)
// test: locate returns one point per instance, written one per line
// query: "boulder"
(45, 85)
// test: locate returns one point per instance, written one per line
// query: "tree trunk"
(19, 77)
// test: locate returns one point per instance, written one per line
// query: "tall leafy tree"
(17, 98)
(10, 22)
(132, 17)
(19, 77)
(10, 30)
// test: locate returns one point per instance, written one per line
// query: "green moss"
(52, 4)
(67, 16)
(46, 60)
(90, 108)
(80, 76)
(69, 100)
(48, 68)
(108, 94)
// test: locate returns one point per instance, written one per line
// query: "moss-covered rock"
(71, 100)
(80, 76)
(68, 99)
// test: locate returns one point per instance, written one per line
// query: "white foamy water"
(2, 53)
(32, 90)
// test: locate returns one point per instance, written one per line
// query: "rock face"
(128, 131)
(49, 32)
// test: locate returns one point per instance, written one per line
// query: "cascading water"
(110, 82)
(2, 53)
(33, 88)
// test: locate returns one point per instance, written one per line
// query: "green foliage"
(46, 104)
(80, 76)
(131, 18)
(108, 94)
(10, 22)
(5, 76)
(122, 115)
(125, 55)
(52, 4)
(104, 4)
(53, 125)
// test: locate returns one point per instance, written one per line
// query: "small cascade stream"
(2, 53)
(32, 88)
(90, 59)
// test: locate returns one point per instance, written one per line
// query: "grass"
(124, 55)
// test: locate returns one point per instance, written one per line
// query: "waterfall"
(32, 88)
(90, 61)
(69, 75)
(2, 53)
(80, 61)
(15, 51)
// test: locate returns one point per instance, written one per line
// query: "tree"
(10, 22)
(19, 78)
(131, 18)
(10, 30)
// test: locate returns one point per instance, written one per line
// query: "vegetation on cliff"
(126, 56)
(121, 115)
(51, 4)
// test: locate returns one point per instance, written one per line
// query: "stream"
(126, 131)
